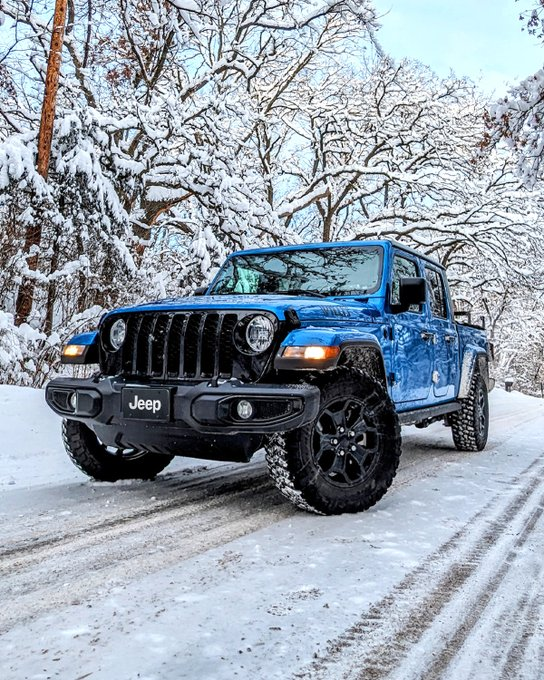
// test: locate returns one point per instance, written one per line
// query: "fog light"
(244, 409)
(73, 401)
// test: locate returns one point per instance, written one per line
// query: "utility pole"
(33, 235)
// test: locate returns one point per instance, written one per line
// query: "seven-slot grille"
(189, 345)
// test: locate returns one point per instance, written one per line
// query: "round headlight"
(118, 333)
(259, 333)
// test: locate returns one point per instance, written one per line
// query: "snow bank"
(31, 450)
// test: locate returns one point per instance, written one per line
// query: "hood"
(307, 308)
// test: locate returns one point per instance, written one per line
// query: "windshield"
(323, 271)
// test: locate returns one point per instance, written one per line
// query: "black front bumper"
(202, 408)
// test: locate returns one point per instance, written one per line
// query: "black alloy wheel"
(346, 459)
(346, 441)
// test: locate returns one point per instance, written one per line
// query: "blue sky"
(482, 39)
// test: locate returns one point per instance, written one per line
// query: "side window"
(402, 267)
(437, 293)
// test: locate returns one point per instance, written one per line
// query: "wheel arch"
(474, 361)
(366, 357)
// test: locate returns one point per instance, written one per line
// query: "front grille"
(181, 346)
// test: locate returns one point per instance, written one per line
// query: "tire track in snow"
(206, 487)
(425, 457)
(517, 651)
(441, 661)
(377, 645)
(219, 505)
(42, 578)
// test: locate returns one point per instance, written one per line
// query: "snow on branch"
(186, 5)
(518, 120)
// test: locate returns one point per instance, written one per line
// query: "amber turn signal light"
(312, 352)
(73, 350)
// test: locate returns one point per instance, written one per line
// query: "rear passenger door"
(446, 342)
(412, 357)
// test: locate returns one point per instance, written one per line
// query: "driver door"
(412, 356)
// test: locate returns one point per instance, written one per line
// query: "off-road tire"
(97, 461)
(307, 468)
(470, 425)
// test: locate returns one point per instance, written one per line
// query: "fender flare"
(474, 360)
(89, 355)
(346, 340)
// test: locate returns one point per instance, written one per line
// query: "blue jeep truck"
(317, 352)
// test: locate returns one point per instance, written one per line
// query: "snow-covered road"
(208, 573)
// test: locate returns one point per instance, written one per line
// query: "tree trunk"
(33, 234)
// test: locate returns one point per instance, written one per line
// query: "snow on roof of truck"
(334, 244)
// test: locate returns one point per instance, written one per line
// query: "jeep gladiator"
(316, 352)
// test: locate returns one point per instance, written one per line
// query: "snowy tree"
(533, 18)
(393, 153)
(153, 176)
(515, 127)
(517, 119)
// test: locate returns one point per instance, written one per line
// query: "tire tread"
(280, 449)
(463, 421)
(91, 457)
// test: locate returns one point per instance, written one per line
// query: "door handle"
(425, 335)
(450, 338)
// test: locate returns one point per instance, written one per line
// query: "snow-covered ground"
(207, 572)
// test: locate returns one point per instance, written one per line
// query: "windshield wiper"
(298, 291)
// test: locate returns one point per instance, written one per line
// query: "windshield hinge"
(291, 317)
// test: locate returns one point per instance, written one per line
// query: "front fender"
(81, 349)
(322, 337)
(84, 339)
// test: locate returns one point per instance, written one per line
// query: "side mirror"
(200, 291)
(412, 291)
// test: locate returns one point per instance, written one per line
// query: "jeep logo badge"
(144, 403)
(153, 405)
